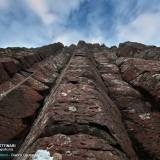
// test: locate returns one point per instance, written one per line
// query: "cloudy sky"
(34, 23)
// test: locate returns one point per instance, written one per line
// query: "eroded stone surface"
(21, 95)
(136, 107)
(143, 74)
(78, 146)
(79, 107)
(104, 102)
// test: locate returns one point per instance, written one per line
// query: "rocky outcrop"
(80, 107)
(23, 91)
(143, 75)
(138, 50)
(139, 112)
(82, 102)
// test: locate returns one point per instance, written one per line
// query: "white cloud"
(97, 26)
(91, 33)
(4, 4)
(64, 7)
(72, 36)
(40, 7)
(144, 28)
(51, 11)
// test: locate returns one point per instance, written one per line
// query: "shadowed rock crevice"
(71, 129)
(149, 98)
(140, 150)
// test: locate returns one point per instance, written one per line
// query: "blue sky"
(33, 23)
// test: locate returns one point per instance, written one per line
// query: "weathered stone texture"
(21, 95)
(87, 102)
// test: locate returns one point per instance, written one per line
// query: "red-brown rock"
(3, 74)
(77, 147)
(11, 65)
(19, 103)
(10, 128)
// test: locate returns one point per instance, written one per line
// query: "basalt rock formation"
(82, 102)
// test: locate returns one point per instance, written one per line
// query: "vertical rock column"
(122, 80)
(78, 121)
(22, 96)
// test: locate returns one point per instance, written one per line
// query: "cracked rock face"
(143, 75)
(84, 102)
